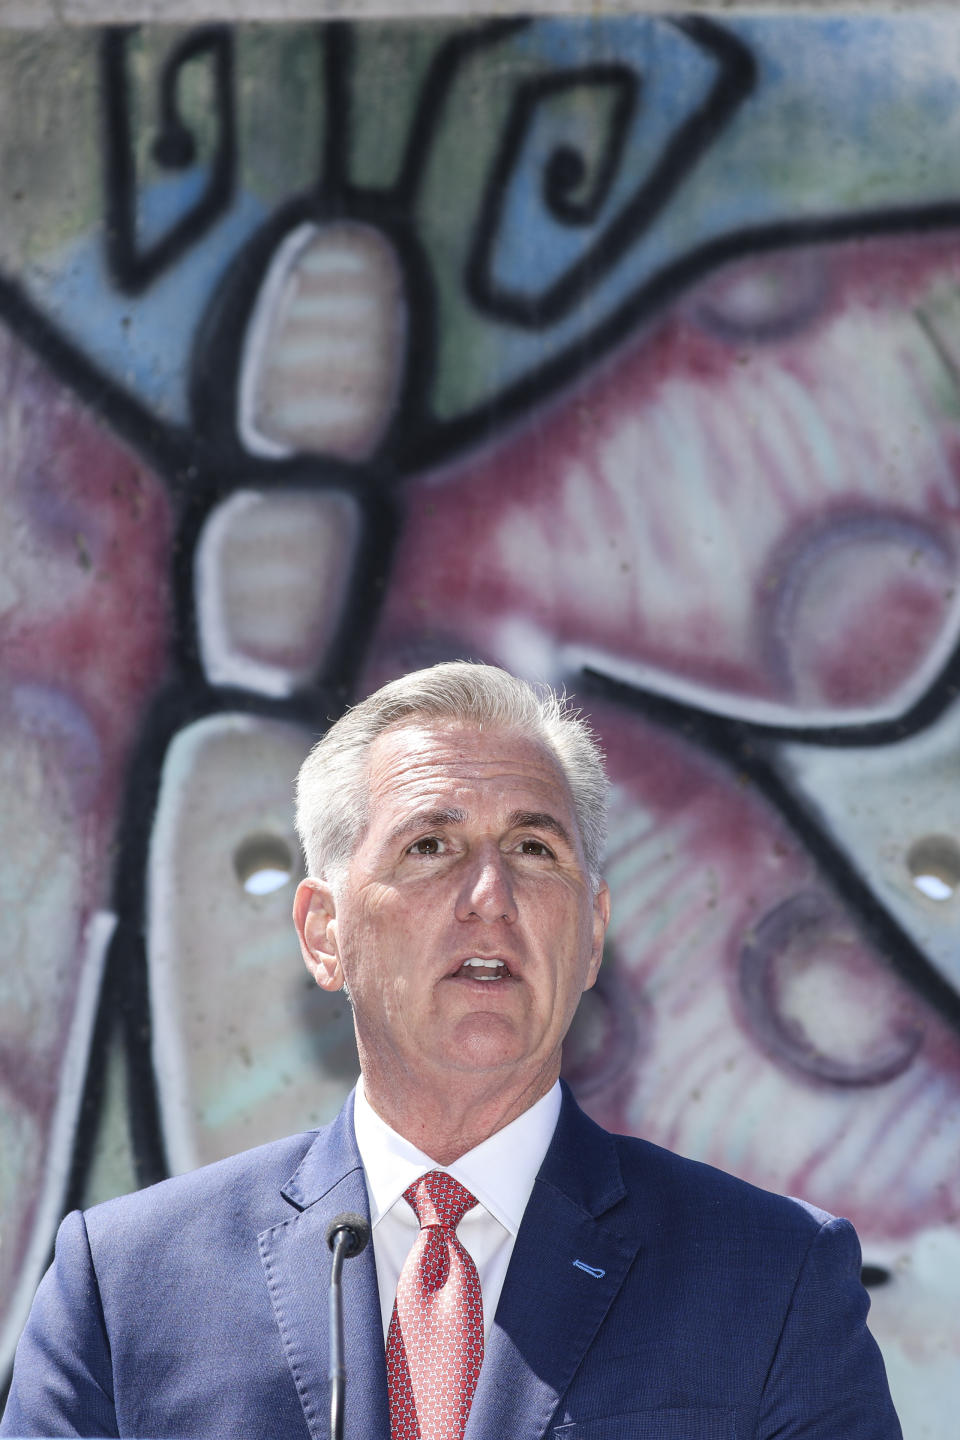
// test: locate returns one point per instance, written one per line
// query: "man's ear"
(315, 916)
(601, 919)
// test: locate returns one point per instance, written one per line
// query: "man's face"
(465, 924)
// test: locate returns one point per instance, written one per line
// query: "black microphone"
(347, 1234)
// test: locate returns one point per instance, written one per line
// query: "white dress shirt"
(499, 1173)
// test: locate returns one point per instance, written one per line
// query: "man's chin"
(489, 1045)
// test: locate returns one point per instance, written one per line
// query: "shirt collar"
(499, 1172)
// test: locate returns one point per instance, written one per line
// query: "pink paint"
(698, 861)
(749, 506)
(84, 630)
(655, 516)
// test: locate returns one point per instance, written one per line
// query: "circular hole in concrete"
(934, 865)
(263, 863)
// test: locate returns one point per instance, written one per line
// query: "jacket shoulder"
(247, 1184)
(715, 1214)
(686, 1182)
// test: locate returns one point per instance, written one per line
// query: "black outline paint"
(443, 439)
(750, 752)
(700, 130)
(442, 72)
(338, 56)
(219, 343)
(203, 464)
(174, 147)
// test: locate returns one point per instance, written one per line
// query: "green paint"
(112, 1170)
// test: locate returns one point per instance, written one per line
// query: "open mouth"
(478, 969)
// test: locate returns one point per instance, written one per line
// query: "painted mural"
(622, 351)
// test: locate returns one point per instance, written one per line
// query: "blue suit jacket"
(710, 1310)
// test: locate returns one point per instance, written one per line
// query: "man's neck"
(445, 1124)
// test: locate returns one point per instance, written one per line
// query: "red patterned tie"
(435, 1340)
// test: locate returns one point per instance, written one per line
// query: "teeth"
(496, 968)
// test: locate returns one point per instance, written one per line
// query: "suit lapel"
(296, 1262)
(551, 1308)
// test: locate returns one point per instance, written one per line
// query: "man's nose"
(487, 890)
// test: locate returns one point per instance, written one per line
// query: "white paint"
(265, 307)
(715, 701)
(879, 802)
(245, 1046)
(59, 1145)
(322, 355)
(272, 569)
(914, 1318)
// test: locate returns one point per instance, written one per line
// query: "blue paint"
(144, 341)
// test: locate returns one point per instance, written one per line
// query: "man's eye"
(535, 847)
(429, 845)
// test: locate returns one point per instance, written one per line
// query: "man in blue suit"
(453, 825)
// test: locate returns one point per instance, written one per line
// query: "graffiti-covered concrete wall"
(624, 352)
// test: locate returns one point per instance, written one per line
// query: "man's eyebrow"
(426, 820)
(539, 820)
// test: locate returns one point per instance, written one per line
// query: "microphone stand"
(346, 1235)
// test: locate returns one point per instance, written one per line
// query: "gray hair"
(332, 799)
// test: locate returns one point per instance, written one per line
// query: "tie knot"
(437, 1199)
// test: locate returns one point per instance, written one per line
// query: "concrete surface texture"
(31, 14)
(621, 349)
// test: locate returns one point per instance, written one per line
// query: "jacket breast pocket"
(682, 1423)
